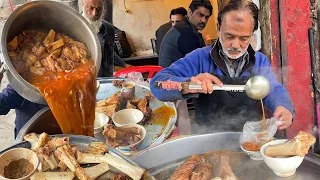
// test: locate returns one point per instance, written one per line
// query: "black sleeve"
(118, 61)
(187, 42)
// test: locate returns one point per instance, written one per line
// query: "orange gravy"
(162, 115)
(71, 97)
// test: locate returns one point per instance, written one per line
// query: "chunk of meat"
(143, 106)
(121, 177)
(203, 171)
(114, 99)
(184, 171)
(149, 96)
(118, 83)
(108, 110)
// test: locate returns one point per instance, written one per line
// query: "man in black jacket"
(92, 11)
(176, 16)
(185, 37)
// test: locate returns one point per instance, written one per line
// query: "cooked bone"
(65, 154)
(58, 142)
(43, 165)
(50, 160)
(55, 45)
(135, 172)
(43, 139)
(52, 176)
(88, 158)
(97, 148)
(50, 38)
(62, 166)
(32, 139)
(96, 171)
(298, 146)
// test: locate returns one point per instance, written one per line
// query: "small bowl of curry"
(18, 164)
(252, 150)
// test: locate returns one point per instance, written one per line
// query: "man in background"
(185, 37)
(176, 15)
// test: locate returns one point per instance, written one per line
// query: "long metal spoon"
(256, 87)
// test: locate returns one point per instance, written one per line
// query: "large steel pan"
(45, 15)
(162, 160)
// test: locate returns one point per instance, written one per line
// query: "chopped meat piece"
(184, 171)
(149, 96)
(114, 99)
(121, 177)
(203, 171)
(118, 83)
(108, 110)
(118, 136)
(135, 102)
(143, 106)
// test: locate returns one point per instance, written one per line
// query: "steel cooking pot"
(45, 15)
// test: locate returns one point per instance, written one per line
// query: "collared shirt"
(234, 67)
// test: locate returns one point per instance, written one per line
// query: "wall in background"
(145, 16)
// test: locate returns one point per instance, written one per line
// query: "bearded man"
(92, 11)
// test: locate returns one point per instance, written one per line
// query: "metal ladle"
(256, 87)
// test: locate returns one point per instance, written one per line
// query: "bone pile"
(61, 160)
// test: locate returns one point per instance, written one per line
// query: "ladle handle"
(218, 88)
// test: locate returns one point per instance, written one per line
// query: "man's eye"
(229, 37)
(244, 38)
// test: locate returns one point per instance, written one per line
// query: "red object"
(10, 4)
(293, 48)
(142, 69)
(175, 133)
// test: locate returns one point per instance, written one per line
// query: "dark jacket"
(25, 110)
(106, 37)
(161, 32)
(179, 41)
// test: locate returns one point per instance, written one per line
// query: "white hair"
(95, 25)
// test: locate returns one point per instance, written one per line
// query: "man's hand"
(206, 81)
(1, 71)
(284, 115)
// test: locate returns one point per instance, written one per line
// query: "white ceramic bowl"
(254, 155)
(17, 154)
(133, 148)
(99, 122)
(127, 116)
(282, 167)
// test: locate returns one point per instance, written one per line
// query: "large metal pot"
(45, 15)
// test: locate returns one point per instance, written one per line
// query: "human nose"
(236, 43)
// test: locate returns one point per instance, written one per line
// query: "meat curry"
(63, 72)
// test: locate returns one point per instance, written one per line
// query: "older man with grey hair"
(92, 11)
